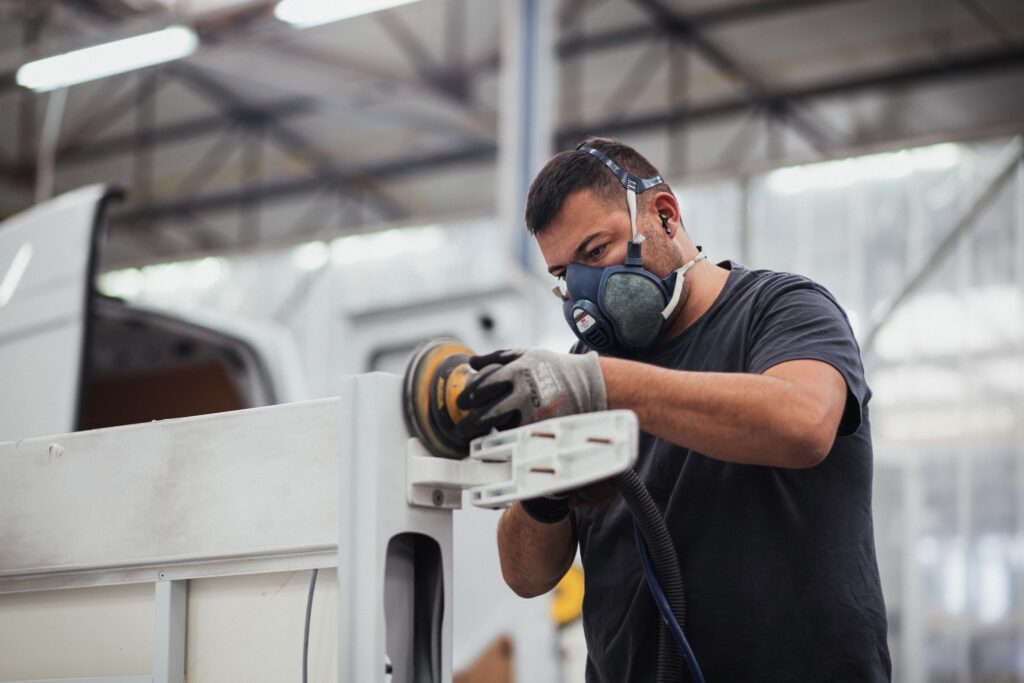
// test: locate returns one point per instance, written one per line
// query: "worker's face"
(592, 232)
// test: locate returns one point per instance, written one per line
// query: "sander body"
(435, 376)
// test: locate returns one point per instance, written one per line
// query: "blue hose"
(663, 607)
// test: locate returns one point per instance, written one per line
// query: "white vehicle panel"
(45, 256)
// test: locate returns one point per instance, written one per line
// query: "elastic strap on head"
(677, 291)
(641, 184)
(631, 204)
(633, 185)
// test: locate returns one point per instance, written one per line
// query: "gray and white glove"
(522, 386)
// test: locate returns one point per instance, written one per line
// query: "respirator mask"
(623, 308)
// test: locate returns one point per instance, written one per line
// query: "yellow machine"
(434, 378)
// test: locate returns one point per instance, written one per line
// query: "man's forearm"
(534, 556)
(735, 417)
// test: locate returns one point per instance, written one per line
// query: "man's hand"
(522, 386)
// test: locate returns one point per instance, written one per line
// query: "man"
(751, 397)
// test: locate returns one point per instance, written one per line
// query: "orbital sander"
(437, 373)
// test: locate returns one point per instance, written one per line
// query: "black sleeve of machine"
(801, 321)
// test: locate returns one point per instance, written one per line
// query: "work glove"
(519, 387)
(523, 386)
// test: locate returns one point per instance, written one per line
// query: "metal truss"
(479, 152)
(683, 29)
(916, 72)
(293, 187)
(960, 230)
(324, 168)
(451, 77)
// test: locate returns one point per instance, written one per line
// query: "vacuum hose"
(662, 552)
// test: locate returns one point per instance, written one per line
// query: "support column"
(912, 669)
(169, 631)
(1018, 281)
(49, 140)
(394, 559)
(526, 142)
(144, 156)
(526, 126)
(746, 229)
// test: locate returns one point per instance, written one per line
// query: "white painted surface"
(105, 631)
(222, 489)
(161, 495)
(242, 628)
(249, 628)
(372, 513)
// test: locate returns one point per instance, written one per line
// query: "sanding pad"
(434, 377)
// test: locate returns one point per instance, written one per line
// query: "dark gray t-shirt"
(781, 577)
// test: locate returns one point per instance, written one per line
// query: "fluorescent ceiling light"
(387, 245)
(164, 278)
(311, 255)
(840, 173)
(100, 61)
(305, 13)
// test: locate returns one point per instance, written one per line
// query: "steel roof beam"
(920, 71)
(485, 152)
(294, 187)
(183, 131)
(190, 129)
(685, 30)
(571, 47)
(707, 19)
(755, 9)
(891, 77)
(320, 162)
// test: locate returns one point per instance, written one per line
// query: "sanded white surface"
(103, 631)
(169, 496)
(240, 628)
(249, 628)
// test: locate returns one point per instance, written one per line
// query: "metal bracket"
(439, 482)
(541, 459)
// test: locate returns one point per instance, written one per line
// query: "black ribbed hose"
(671, 666)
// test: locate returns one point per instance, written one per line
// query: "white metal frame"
(169, 635)
(328, 483)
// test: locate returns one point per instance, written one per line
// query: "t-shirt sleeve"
(804, 323)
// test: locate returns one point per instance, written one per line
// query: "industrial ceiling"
(272, 134)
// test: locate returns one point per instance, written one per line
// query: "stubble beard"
(663, 259)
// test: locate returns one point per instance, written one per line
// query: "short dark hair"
(571, 171)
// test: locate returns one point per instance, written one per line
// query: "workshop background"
(344, 188)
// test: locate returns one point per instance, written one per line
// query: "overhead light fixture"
(174, 277)
(100, 61)
(311, 255)
(306, 13)
(385, 245)
(840, 173)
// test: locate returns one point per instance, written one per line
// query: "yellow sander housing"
(435, 376)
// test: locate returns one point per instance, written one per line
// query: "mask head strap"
(633, 185)
(677, 291)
